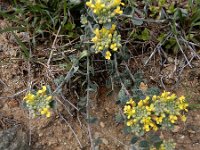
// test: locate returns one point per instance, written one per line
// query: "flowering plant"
(39, 103)
(105, 38)
(105, 10)
(154, 112)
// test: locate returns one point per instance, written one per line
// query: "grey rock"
(13, 139)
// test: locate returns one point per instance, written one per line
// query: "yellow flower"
(127, 108)
(182, 99)
(183, 118)
(150, 108)
(44, 111)
(147, 123)
(146, 120)
(42, 91)
(154, 98)
(183, 106)
(129, 111)
(146, 127)
(48, 114)
(104, 31)
(94, 39)
(122, 4)
(146, 100)
(89, 4)
(131, 102)
(155, 128)
(112, 29)
(140, 103)
(113, 47)
(49, 98)
(100, 48)
(103, 40)
(39, 102)
(158, 119)
(171, 98)
(110, 36)
(97, 33)
(44, 88)
(116, 2)
(153, 125)
(166, 110)
(172, 118)
(163, 115)
(29, 97)
(165, 94)
(130, 122)
(108, 55)
(162, 147)
(98, 6)
(118, 11)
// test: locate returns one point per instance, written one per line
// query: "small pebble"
(104, 141)
(102, 124)
(176, 129)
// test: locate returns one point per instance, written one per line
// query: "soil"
(61, 131)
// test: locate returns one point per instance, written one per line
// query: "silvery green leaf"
(134, 139)
(144, 144)
(83, 54)
(128, 10)
(137, 21)
(108, 25)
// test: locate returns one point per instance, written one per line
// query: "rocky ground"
(65, 132)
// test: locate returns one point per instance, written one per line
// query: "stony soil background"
(56, 133)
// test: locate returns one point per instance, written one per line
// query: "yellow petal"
(48, 114)
(44, 88)
(183, 118)
(108, 55)
(49, 98)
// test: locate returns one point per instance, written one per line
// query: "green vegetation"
(99, 44)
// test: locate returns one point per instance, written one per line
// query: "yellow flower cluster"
(39, 103)
(154, 112)
(106, 40)
(166, 145)
(105, 10)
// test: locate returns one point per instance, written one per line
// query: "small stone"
(182, 136)
(96, 135)
(176, 129)
(170, 60)
(102, 124)
(51, 143)
(183, 139)
(40, 134)
(13, 139)
(104, 141)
